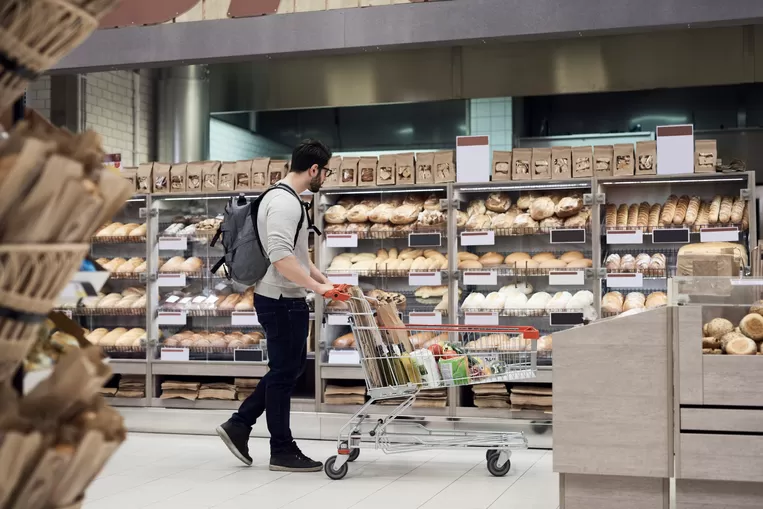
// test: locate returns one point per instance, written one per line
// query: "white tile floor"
(198, 472)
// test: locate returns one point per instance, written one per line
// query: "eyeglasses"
(328, 171)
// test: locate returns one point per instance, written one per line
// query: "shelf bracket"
(744, 194)
(594, 199)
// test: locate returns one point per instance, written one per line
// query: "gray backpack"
(246, 261)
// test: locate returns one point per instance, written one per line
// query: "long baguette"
(669, 209)
(715, 210)
(622, 215)
(737, 210)
(654, 216)
(692, 211)
(633, 215)
(724, 215)
(643, 215)
(681, 208)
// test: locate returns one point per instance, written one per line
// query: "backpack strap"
(305, 212)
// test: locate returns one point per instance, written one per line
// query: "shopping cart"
(402, 361)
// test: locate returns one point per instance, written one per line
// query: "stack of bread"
(110, 231)
(217, 390)
(119, 337)
(522, 261)
(721, 337)
(133, 299)
(398, 299)
(533, 213)
(499, 342)
(516, 300)
(245, 387)
(344, 395)
(191, 227)
(131, 386)
(613, 303)
(220, 340)
(392, 217)
(684, 211)
(430, 398)
(390, 261)
(177, 264)
(531, 397)
(121, 266)
(492, 395)
(176, 389)
(648, 264)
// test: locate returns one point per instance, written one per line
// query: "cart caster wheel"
(492, 466)
(354, 453)
(328, 467)
(490, 453)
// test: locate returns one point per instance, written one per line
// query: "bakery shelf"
(414, 412)
(202, 368)
(83, 311)
(523, 231)
(127, 275)
(118, 240)
(507, 271)
(383, 273)
(526, 185)
(384, 234)
(128, 366)
(127, 402)
(396, 189)
(342, 372)
(524, 313)
(503, 413)
(687, 178)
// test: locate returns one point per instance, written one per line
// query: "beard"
(315, 184)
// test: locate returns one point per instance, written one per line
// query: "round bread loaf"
(541, 208)
(517, 257)
(542, 257)
(571, 255)
(405, 214)
(335, 215)
(735, 343)
(358, 214)
(491, 259)
(717, 327)
(752, 326)
(463, 255)
(757, 308)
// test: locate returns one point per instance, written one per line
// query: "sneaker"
(236, 437)
(294, 461)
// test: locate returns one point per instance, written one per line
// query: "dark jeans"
(286, 324)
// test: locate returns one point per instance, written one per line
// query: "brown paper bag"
(405, 169)
(144, 179)
(561, 163)
(335, 165)
(131, 176)
(349, 172)
(161, 180)
(277, 170)
(193, 176)
(367, 171)
(705, 156)
(260, 172)
(646, 158)
(243, 176)
(603, 156)
(541, 164)
(386, 172)
(582, 162)
(521, 164)
(624, 160)
(226, 179)
(210, 173)
(445, 167)
(501, 165)
(177, 178)
(425, 168)
(389, 317)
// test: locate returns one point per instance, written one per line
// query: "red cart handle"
(337, 294)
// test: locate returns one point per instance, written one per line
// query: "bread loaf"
(478, 222)
(110, 339)
(405, 214)
(344, 341)
(192, 264)
(491, 259)
(643, 215)
(654, 216)
(358, 213)
(628, 262)
(692, 211)
(737, 209)
(610, 216)
(542, 208)
(381, 213)
(579, 220)
(622, 215)
(669, 209)
(715, 210)
(612, 262)
(702, 216)
(583, 263)
(542, 257)
(568, 206)
(752, 326)
(140, 231)
(526, 199)
(633, 215)
(681, 208)
(497, 202)
(739, 252)
(735, 343)
(724, 214)
(571, 256)
(717, 328)
(656, 300)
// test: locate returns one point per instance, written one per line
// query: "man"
(281, 309)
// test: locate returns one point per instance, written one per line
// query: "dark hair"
(308, 153)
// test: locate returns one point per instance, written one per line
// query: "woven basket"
(36, 34)
(31, 278)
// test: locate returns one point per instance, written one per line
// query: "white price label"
(174, 280)
(480, 277)
(338, 319)
(172, 299)
(171, 318)
(345, 278)
(341, 240)
(243, 318)
(344, 357)
(480, 318)
(730, 234)
(623, 280)
(625, 237)
(173, 243)
(424, 278)
(220, 287)
(566, 278)
(423, 318)
(174, 354)
(478, 238)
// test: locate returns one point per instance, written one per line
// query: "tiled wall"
(232, 143)
(38, 96)
(492, 117)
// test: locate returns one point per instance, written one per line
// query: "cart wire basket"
(393, 369)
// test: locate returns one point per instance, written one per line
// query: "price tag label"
(173, 280)
(341, 240)
(621, 280)
(480, 277)
(481, 318)
(730, 234)
(566, 278)
(424, 278)
(173, 243)
(344, 357)
(424, 240)
(423, 318)
(174, 354)
(244, 318)
(247, 355)
(171, 318)
(567, 236)
(344, 278)
(625, 237)
(565, 318)
(478, 238)
(670, 236)
(338, 319)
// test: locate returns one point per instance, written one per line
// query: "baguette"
(681, 208)
(737, 209)
(643, 215)
(692, 211)
(654, 216)
(724, 215)
(611, 215)
(704, 211)
(633, 215)
(715, 210)
(622, 215)
(669, 209)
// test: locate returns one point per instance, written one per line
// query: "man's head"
(309, 161)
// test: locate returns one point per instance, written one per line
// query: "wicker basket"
(31, 278)
(36, 34)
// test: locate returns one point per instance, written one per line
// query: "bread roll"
(627, 262)
(715, 210)
(463, 255)
(405, 214)
(114, 264)
(643, 215)
(192, 264)
(95, 336)
(478, 222)
(642, 261)
(553, 264)
(568, 206)
(612, 262)
(717, 328)
(542, 257)
(124, 230)
(469, 264)
(669, 210)
(542, 208)
(656, 300)
(230, 301)
(108, 231)
(622, 215)
(516, 257)
(612, 303)
(498, 202)
(571, 255)
(110, 339)
(633, 215)
(491, 259)
(724, 215)
(610, 216)
(140, 231)
(526, 199)
(582, 263)
(172, 265)
(654, 216)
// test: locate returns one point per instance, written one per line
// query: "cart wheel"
(328, 467)
(354, 453)
(490, 452)
(492, 466)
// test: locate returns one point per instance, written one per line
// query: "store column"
(183, 114)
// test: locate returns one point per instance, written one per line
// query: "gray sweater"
(277, 222)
